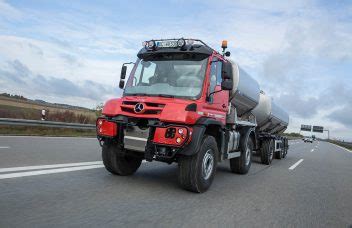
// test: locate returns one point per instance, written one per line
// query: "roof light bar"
(170, 43)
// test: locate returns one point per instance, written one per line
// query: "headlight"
(181, 42)
(150, 44)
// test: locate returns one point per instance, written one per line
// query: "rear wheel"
(242, 164)
(285, 148)
(196, 172)
(267, 151)
(117, 164)
(279, 154)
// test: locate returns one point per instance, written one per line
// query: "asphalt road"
(40, 187)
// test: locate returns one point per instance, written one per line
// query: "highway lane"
(316, 193)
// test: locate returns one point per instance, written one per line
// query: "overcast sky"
(71, 51)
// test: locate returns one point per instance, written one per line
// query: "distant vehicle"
(308, 139)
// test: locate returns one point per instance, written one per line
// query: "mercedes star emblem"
(139, 108)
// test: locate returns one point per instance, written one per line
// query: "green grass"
(71, 116)
(7, 111)
(343, 144)
(45, 131)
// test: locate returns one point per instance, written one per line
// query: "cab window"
(215, 75)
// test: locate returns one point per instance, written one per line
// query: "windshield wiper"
(165, 95)
(137, 94)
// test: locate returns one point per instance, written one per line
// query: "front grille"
(150, 107)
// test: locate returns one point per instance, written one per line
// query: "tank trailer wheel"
(119, 165)
(196, 172)
(285, 148)
(267, 151)
(242, 164)
(279, 154)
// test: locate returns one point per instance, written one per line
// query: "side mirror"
(123, 72)
(227, 84)
(121, 84)
(226, 71)
(227, 54)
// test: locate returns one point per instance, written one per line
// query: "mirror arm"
(127, 63)
(208, 97)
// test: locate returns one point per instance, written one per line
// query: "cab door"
(217, 103)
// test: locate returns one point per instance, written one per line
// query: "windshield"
(172, 75)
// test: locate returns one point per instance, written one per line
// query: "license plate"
(166, 44)
(136, 138)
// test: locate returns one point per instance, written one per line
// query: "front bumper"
(148, 136)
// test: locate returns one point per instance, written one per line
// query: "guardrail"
(44, 123)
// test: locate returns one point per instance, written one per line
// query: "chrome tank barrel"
(245, 93)
(270, 117)
(247, 97)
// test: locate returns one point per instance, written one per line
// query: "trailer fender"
(246, 132)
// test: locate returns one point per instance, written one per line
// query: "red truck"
(185, 102)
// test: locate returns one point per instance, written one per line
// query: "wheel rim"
(248, 156)
(208, 164)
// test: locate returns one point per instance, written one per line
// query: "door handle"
(223, 105)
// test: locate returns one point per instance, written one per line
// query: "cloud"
(297, 106)
(9, 12)
(342, 116)
(25, 82)
(48, 58)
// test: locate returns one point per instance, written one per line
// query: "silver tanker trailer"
(250, 105)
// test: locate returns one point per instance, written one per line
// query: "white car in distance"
(308, 139)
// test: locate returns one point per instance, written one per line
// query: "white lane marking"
(136, 138)
(48, 171)
(312, 150)
(296, 164)
(4, 147)
(23, 168)
(51, 171)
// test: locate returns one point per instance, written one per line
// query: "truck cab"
(176, 107)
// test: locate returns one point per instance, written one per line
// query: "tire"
(285, 149)
(267, 151)
(279, 154)
(119, 165)
(242, 164)
(284, 153)
(196, 172)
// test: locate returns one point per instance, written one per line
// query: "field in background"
(347, 145)
(292, 135)
(19, 107)
(28, 109)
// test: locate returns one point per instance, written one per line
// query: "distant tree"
(20, 97)
(293, 134)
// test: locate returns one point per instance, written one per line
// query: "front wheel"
(242, 164)
(196, 172)
(118, 164)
